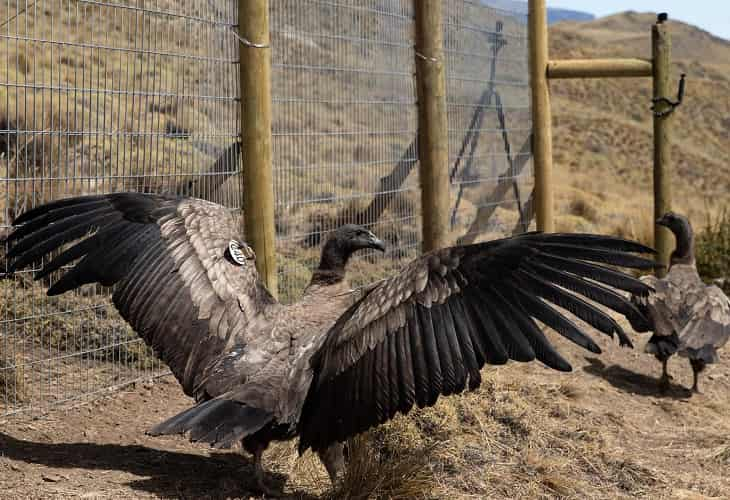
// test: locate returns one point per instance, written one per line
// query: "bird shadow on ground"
(168, 473)
(632, 382)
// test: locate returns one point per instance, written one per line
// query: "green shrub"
(713, 249)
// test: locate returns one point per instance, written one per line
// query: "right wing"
(428, 330)
(175, 285)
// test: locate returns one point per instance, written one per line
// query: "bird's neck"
(332, 264)
(327, 277)
(684, 251)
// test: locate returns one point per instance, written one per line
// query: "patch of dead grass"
(12, 380)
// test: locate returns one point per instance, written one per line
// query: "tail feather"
(219, 422)
(707, 354)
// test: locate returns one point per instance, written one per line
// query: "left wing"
(174, 284)
(429, 330)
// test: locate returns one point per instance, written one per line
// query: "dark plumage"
(687, 316)
(324, 368)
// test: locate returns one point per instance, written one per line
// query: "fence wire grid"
(141, 95)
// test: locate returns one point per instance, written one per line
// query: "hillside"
(603, 128)
(555, 15)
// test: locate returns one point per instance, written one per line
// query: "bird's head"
(678, 224)
(345, 241)
(351, 238)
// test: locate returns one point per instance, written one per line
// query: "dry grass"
(386, 464)
(603, 132)
(722, 455)
(508, 439)
(82, 322)
(12, 379)
(713, 249)
(582, 207)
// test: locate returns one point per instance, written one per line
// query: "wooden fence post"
(541, 116)
(255, 87)
(661, 51)
(433, 136)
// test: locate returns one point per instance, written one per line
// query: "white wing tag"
(239, 253)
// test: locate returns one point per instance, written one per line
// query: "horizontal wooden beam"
(600, 68)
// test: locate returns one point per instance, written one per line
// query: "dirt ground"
(620, 438)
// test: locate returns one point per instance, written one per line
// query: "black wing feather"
(139, 243)
(480, 304)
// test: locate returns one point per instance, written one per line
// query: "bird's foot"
(664, 383)
(261, 476)
(266, 489)
(696, 390)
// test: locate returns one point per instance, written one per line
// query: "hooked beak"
(662, 221)
(376, 243)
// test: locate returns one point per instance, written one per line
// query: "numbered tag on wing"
(239, 253)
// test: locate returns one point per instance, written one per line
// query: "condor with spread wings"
(323, 368)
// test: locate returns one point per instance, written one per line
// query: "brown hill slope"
(603, 128)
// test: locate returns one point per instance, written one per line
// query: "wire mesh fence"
(344, 117)
(143, 95)
(488, 103)
(98, 97)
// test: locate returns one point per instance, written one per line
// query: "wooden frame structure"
(255, 84)
(542, 70)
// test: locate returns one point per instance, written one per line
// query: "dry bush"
(713, 249)
(582, 207)
(386, 463)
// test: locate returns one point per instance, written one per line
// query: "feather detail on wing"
(166, 256)
(428, 330)
(708, 328)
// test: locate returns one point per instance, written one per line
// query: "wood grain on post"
(432, 124)
(541, 116)
(599, 68)
(255, 87)
(661, 51)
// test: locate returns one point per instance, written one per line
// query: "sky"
(710, 15)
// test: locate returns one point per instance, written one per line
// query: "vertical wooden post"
(433, 139)
(661, 52)
(541, 116)
(255, 87)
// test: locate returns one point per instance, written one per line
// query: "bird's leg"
(260, 473)
(697, 366)
(664, 380)
(695, 389)
(333, 458)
